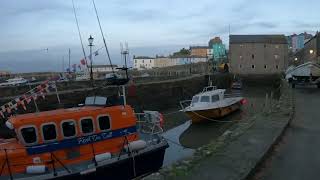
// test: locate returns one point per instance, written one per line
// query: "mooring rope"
(220, 121)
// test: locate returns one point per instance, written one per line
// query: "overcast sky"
(149, 26)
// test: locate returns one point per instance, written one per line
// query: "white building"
(142, 63)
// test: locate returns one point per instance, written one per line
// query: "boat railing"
(209, 88)
(233, 94)
(149, 122)
(185, 103)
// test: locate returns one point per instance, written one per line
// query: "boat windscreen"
(195, 99)
(96, 100)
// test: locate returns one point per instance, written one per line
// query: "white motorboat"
(304, 74)
(17, 81)
(211, 104)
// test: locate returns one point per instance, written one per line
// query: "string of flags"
(8, 109)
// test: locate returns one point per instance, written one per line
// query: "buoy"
(136, 145)
(103, 157)
(243, 101)
(40, 169)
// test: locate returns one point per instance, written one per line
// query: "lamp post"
(90, 45)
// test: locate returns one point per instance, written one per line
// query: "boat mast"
(103, 37)
(79, 32)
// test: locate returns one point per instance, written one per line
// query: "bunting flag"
(83, 61)
(9, 108)
(28, 100)
(96, 53)
(23, 105)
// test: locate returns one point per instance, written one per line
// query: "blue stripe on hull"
(78, 141)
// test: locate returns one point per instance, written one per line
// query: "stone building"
(201, 51)
(161, 62)
(258, 54)
(311, 50)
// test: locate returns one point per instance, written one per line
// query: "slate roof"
(270, 39)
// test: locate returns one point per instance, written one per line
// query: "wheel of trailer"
(293, 85)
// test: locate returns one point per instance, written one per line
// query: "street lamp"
(91, 44)
(311, 51)
(296, 59)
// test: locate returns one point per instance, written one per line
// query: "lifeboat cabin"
(99, 139)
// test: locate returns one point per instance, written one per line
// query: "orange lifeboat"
(92, 141)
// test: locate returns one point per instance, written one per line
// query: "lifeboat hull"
(212, 114)
(126, 167)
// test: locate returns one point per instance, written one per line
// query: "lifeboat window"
(104, 122)
(29, 135)
(86, 125)
(49, 132)
(69, 128)
(215, 98)
(205, 99)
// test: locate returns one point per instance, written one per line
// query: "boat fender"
(161, 120)
(136, 145)
(39, 169)
(9, 125)
(103, 157)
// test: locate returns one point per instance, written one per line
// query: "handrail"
(182, 103)
(209, 88)
(152, 125)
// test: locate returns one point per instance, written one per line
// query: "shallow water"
(184, 138)
(176, 151)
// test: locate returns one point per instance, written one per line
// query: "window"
(276, 56)
(252, 66)
(135, 61)
(142, 61)
(29, 135)
(104, 123)
(240, 66)
(240, 57)
(49, 132)
(195, 99)
(241, 45)
(215, 98)
(252, 56)
(277, 46)
(277, 67)
(205, 99)
(150, 60)
(68, 128)
(86, 125)
(265, 45)
(265, 66)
